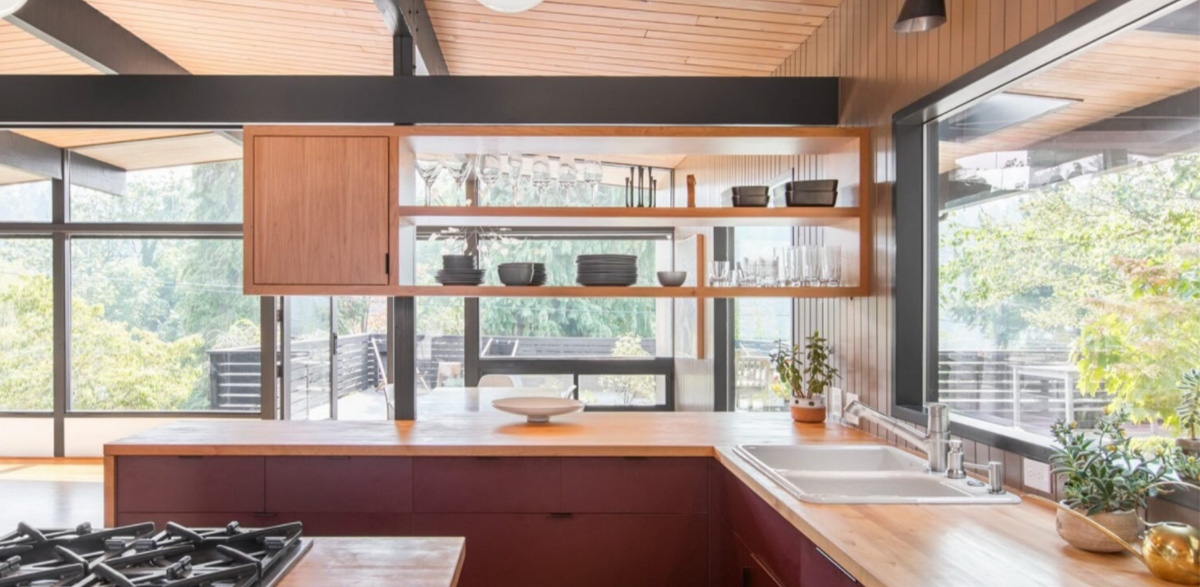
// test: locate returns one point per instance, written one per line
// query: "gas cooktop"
(139, 555)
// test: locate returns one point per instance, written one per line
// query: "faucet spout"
(934, 442)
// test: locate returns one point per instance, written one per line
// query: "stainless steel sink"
(863, 474)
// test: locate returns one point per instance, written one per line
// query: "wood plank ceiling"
(626, 37)
(22, 53)
(1134, 69)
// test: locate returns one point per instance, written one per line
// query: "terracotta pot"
(1190, 446)
(1079, 534)
(809, 410)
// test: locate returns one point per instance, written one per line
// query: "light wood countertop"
(482, 434)
(892, 545)
(366, 562)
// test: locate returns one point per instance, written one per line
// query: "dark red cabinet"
(635, 485)
(487, 485)
(339, 484)
(190, 484)
(820, 570)
(581, 550)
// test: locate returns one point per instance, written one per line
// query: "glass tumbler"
(720, 274)
(810, 257)
(831, 265)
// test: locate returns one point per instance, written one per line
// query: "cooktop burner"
(138, 555)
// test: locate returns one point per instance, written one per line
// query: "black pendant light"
(920, 15)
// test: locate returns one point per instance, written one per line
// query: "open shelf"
(502, 291)
(584, 216)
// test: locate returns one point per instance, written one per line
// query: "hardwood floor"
(51, 492)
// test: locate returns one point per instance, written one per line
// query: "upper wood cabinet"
(320, 210)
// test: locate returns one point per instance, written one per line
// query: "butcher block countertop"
(369, 562)
(881, 545)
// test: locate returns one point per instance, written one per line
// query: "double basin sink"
(863, 474)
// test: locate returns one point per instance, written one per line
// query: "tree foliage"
(1104, 265)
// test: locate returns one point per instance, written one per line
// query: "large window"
(1063, 235)
(26, 325)
(760, 325)
(124, 248)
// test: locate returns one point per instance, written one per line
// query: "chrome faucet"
(935, 442)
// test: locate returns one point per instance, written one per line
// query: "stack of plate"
(459, 270)
(539, 274)
(600, 270)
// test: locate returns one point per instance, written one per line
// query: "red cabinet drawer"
(190, 484)
(503, 550)
(487, 485)
(818, 569)
(315, 524)
(773, 539)
(637, 550)
(635, 485)
(339, 484)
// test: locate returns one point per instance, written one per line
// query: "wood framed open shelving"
(845, 152)
(502, 291)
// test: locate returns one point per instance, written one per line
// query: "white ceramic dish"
(538, 410)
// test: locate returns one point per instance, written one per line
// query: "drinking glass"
(720, 274)
(428, 169)
(593, 175)
(541, 177)
(831, 265)
(515, 162)
(459, 167)
(489, 173)
(767, 274)
(811, 262)
(568, 176)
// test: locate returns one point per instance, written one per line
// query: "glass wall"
(1068, 238)
(26, 325)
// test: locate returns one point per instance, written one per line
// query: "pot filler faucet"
(945, 456)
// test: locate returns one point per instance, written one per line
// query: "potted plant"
(1105, 479)
(807, 374)
(1189, 413)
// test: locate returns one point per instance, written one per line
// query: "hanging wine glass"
(541, 177)
(568, 177)
(459, 167)
(489, 174)
(515, 162)
(428, 168)
(593, 175)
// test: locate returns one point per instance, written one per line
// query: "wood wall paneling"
(882, 72)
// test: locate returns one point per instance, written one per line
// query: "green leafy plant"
(788, 365)
(1189, 403)
(818, 373)
(1103, 471)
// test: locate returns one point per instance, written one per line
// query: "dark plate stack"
(459, 270)
(539, 274)
(751, 196)
(602, 270)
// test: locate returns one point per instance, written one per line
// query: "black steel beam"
(31, 155)
(169, 100)
(87, 34)
(97, 175)
(408, 21)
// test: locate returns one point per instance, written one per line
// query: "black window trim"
(914, 331)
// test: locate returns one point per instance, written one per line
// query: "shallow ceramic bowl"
(751, 190)
(672, 278)
(538, 410)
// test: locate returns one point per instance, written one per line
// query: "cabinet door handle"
(561, 515)
(190, 457)
(337, 458)
(264, 514)
(835, 563)
(747, 577)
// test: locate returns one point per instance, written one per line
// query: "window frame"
(914, 338)
(60, 230)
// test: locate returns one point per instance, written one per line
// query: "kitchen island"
(622, 498)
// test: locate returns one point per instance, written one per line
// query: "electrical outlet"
(1036, 475)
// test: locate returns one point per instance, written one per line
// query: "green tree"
(1105, 266)
(632, 389)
